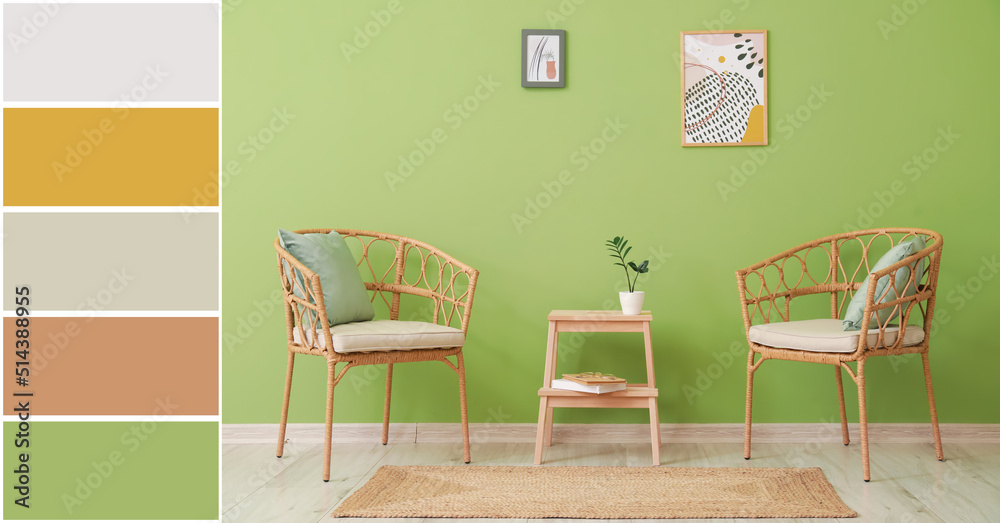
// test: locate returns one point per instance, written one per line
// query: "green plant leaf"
(626, 252)
(632, 265)
(620, 265)
(618, 240)
(643, 267)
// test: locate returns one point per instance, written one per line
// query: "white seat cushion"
(388, 335)
(825, 336)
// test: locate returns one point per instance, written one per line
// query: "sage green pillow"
(856, 308)
(330, 258)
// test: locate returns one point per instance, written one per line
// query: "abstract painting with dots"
(724, 77)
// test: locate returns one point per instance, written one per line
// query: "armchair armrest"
(305, 308)
(902, 294)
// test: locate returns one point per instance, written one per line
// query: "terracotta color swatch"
(111, 156)
(118, 366)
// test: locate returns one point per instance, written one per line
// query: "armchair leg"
(330, 382)
(843, 409)
(930, 401)
(388, 397)
(863, 412)
(284, 404)
(746, 429)
(465, 409)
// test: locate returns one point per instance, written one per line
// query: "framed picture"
(724, 88)
(543, 58)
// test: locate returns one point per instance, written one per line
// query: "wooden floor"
(908, 483)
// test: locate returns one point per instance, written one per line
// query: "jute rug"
(595, 493)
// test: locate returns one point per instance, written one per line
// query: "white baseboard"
(602, 433)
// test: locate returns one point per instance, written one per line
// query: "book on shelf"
(602, 388)
(593, 378)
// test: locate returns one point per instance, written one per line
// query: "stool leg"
(654, 428)
(540, 437)
(548, 427)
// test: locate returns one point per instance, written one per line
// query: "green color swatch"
(113, 470)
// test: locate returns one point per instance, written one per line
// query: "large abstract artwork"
(724, 81)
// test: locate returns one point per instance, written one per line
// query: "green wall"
(856, 90)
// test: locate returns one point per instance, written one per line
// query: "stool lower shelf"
(638, 396)
(634, 396)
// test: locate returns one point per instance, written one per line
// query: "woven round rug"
(595, 493)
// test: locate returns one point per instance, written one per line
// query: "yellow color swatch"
(111, 156)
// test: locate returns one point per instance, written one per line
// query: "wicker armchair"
(836, 265)
(395, 269)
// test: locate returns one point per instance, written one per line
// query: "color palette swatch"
(111, 156)
(101, 261)
(119, 366)
(111, 270)
(119, 53)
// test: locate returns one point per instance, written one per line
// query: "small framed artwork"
(724, 88)
(543, 58)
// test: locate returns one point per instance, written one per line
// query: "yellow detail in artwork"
(755, 125)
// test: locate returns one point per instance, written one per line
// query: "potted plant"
(631, 300)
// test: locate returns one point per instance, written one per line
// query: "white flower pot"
(631, 302)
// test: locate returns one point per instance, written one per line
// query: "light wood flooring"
(908, 483)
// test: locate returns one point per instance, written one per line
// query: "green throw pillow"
(856, 309)
(329, 257)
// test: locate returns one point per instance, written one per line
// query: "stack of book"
(592, 382)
